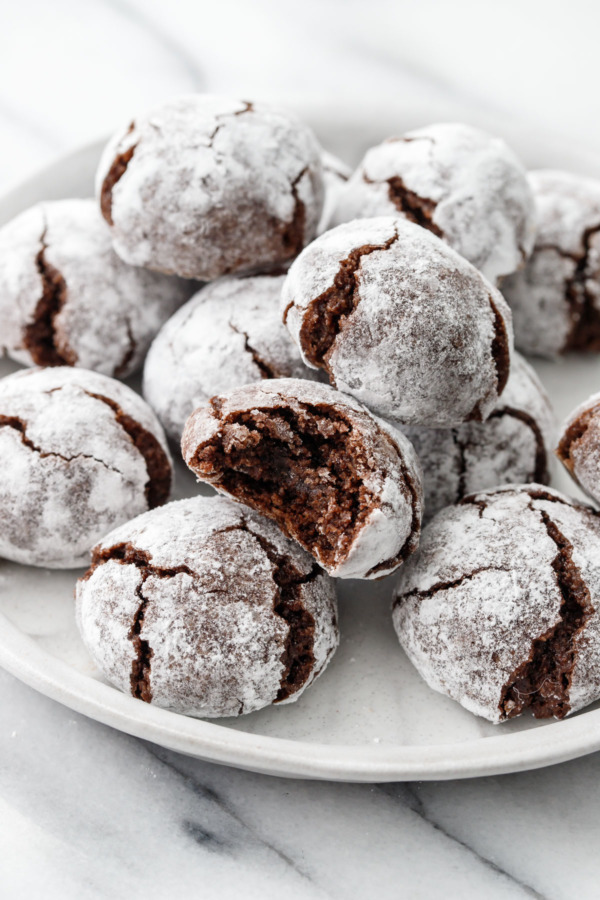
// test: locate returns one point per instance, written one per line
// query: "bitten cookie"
(579, 446)
(205, 186)
(81, 453)
(204, 607)
(343, 484)
(401, 321)
(513, 446)
(460, 183)
(555, 299)
(67, 299)
(499, 609)
(228, 335)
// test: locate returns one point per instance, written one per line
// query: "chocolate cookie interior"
(303, 468)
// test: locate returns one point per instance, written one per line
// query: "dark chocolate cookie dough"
(204, 607)
(499, 609)
(344, 484)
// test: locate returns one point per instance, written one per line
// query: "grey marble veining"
(87, 812)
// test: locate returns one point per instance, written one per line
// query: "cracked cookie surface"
(555, 298)
(400, 321)
(227, 335)
(513, 446)
(498, 609)
(81, 453)
(344, 484)
(204, 607)
(463, 185)
(205, 186)
(67, 299)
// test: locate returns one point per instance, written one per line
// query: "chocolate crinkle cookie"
(205, 186)
(228, 335)
(343, 484)
(335, 176)
(513, 446)
(555, 299)
(66, 299)
(401, 321)
(460, 183)
(579, 446)
(499, 608)
(81, 453)
(205, 608)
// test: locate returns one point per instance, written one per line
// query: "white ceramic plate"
(370, 717)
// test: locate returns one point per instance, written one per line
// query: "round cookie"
(342, 483)
(401, 321)
(513, 446)
(555, 299)
(579, 446)
(206, 186)
(205, 608)
(460, 183)
(335, 175)
(500, 607)
(67, 299)
(229, 334)
(81, 453)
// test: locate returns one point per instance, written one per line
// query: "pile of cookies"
(333, 353)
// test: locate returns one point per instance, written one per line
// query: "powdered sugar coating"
(390, 531)
(555, 299)
(579, 446)
(513, 446)
(335, 176)
(229, 334)
(207, 186)
(110, 311)
(217, 645)
(419, 346)
(70, 471)
(465, 184)
(482, 588)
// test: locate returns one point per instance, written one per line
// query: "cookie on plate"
(344, 484)
(206, 186)
(81, 453)
(555, 299)
(205, 608)
(460, 183)
(513, 446)
(499, 608)
(401, 321)
(579, 446)
(66, 299)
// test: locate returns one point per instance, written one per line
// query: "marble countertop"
(87, 812)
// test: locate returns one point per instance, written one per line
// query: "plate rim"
(25, 659)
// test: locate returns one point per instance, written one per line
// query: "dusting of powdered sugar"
(335, 175)
(391, 471)
(549, 296)
(418, 346)
(70, 470)
(229, 334)
(513, 446)
(210, 186)
(482, 588)
(465, 185)
(110, 311)
(206, 575)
